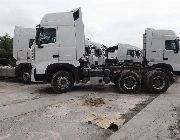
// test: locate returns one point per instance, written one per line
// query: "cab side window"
(128, 52)
(170, 45)
(48, 36)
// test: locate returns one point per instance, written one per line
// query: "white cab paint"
(21, 40)
(69, 45)
(154, 48)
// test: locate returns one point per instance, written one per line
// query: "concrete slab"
(160, 120)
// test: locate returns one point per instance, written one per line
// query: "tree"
(6, 46)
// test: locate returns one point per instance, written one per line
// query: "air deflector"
(76, 15)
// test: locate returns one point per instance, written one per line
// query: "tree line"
(6, 46)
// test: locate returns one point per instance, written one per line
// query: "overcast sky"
(106, 21)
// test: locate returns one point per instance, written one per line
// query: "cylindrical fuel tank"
(7, 71)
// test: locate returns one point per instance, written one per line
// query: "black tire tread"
(149, 86)
(133, 73)
(58, 74)
(21, 78)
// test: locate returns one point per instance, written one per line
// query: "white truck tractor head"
(90, 53)
(129, 53)
(161, 49)
(112, 52)
(96, 53)
(59, 39)
(125, 53)
(22, 42)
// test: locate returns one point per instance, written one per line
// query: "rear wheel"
(26, 76)
(169, 74)
(129, 82)
(157, 82)
(116, 82)
(62, 82)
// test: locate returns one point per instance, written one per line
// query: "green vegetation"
(6, 46)
(6, 50)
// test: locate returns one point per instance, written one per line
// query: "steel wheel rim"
(158, 82)
(63, 82)
(26, 76)
(130, 82)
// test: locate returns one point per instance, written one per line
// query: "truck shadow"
(94, 89)
(14, 80)
(10, 80)
(81, 88)
(110, 88)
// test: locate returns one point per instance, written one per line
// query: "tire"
(129, 82)
(169, 74)
(25, 76)
(144, 79)
(62, 82)
(116, 82)
(157, 82)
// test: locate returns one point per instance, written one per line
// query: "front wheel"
(157, 82)
(62, 81)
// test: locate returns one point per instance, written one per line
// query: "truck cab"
(95, 53)
(161, 49)
(59, 40)
(127, 54)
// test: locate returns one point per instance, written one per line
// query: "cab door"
(171, 54)
(48, 52)
(67, 43)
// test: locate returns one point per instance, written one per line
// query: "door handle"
(55, 56)
(165, 59)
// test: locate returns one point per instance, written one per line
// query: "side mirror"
(38, 43)
(98, 52)
(37, 39)
(31, 41)
(176, 51)
(132, 53)
(37, 36)
(88, 50)
(137, 53)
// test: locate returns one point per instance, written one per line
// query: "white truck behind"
(22, 42)
(124, 53)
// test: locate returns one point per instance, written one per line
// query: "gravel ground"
(35, 112)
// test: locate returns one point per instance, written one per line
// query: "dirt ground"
(87, 113)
